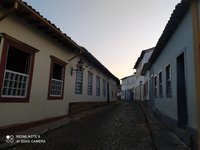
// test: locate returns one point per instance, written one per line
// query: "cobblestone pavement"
(119, 127)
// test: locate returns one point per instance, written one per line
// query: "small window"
(79, 81)
(97, 86)
(90, 82)
(56, 82)
(155, 87)
(160, 85)
(168, 82)
(104, 87)
(16, 70)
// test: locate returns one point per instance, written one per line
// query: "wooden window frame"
(76, 82)
(90, 86)
(98, 86)
(10, 41)
(160, 84)
(104, 87)
(55, 60)
(168, 95)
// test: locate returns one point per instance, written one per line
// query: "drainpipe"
(80, 52)
(11, 10)
(196, 42)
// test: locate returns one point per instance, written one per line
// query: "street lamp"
(79, 66)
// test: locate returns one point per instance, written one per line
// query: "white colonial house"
(127, 88)
(173, 71)
(43, 72)
(141, 81)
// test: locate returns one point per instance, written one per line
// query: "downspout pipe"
(80, 52)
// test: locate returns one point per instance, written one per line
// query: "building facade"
(42, 70)
(127, 88)
(141, 81)
(172, 76)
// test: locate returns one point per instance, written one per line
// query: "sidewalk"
(163, 138)
(42, 129)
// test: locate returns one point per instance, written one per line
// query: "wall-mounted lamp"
(79, 66)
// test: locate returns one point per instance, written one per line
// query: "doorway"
(151, 93)
(108, 92)
(181, 92)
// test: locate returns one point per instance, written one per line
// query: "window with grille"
(79, 82)
(104, 88)
(90, 82)
(97, 86)
(16, 73)
(56, 80)
(15, 84)
(57, 74)
(16, 70)
(168, 82)
(160, 85)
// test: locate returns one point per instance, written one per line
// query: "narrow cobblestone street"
(119, 127)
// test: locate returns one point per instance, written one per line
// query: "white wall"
(39, 107)
(139, 92)
(181, 41)
(127, 85)
(147, 77)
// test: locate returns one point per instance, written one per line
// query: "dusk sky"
(114, 31)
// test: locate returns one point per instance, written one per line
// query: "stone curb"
(42, 129)
(163, 138)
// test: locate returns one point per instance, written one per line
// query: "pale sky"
(114, 31)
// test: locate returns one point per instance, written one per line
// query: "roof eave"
(175, 19)
(33, 17)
